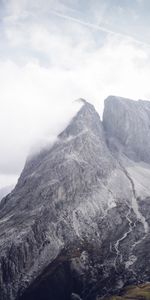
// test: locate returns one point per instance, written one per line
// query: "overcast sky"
(55, 51)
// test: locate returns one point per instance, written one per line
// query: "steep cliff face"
(77, 223)
(127, 124)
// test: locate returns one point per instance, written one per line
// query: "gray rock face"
(78, 217)
(127, 124)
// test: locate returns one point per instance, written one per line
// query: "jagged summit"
(119, 99)
(85, 123)
(112, 99)
(81, 100)
(86, 119)
(125, 103)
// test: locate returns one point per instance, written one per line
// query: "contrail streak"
(100, 28)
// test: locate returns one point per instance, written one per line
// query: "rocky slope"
(5, 191)
(76, 226)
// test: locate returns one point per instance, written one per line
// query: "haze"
(53, 52)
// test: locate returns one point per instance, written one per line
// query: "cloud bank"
(48, 61)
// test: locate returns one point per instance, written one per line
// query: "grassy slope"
(140, 292)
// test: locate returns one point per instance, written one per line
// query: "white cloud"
(49, 63)
(8, 180)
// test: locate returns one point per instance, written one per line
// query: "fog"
(53, 52)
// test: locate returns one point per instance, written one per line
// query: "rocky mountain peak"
(127, 125)
(77, 223)
(84, 128)
(86, 119)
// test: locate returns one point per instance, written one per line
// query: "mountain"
(76, 226)
(5, 190)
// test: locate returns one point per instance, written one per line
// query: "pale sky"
(55, 51)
